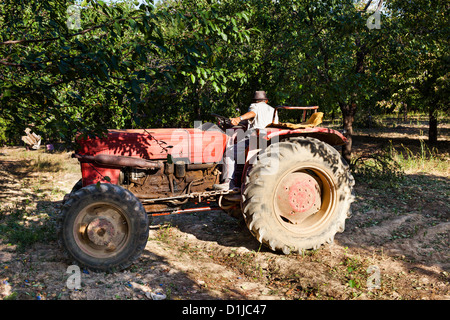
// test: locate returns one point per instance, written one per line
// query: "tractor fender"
(330, 136)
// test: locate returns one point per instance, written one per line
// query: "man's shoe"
(224, 186)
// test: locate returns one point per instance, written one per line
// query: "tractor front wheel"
(103, 227)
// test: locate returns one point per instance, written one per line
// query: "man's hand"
(249, 115)
(235, 121)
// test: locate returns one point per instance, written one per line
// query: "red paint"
(92, 174)
(302, 194)
(330, 136)
(194, 145)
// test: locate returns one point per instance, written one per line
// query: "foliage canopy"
(125, 64)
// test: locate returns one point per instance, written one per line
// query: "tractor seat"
(313, 121)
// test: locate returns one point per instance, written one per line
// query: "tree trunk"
(348, 116)
(432, 126)
(196, 103)
(405, 111)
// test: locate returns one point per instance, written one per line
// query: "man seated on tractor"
(259, 115)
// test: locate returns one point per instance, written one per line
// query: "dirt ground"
(395, 245)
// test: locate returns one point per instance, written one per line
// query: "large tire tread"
(120, 196)
(256, 208)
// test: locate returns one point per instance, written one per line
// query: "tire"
(77, 186)
(103, 227)
(298, 195)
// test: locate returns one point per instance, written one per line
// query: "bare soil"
(397, 234)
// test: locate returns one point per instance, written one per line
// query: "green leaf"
(244, 14)
(133, 24)
(224, 36)
(117, 27)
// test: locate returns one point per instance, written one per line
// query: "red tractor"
(296, 190)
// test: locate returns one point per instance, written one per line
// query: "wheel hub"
(101, 231)
(298, 196)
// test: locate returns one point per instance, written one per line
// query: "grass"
(165, 233)
(40, 161)
(389, 167)
(29, 187)
(355, 272)
(427, 160)
(23, 228)
(399, 178)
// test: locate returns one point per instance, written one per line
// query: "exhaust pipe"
(119, 161)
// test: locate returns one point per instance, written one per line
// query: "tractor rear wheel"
(103, 227)
(298, 195)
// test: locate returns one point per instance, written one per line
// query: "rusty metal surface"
(330, 136)
(181, 211)
(102, 229)
(298, 108)
(297, 197)
(194, 195)
(120, 161)
(169, 188)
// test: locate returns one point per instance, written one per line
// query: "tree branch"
(367, 5)
(9, 42)
(380, 4)
(11, 64)
(24, 41)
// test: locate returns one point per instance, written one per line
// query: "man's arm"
(247, 116)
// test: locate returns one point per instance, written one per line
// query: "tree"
(62, 79)
(322, 53)
(170, 64)
(422, 64)
(117, 70)
(202, 51)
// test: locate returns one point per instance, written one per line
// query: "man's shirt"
(263, 117)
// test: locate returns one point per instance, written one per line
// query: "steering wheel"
(224, 123)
